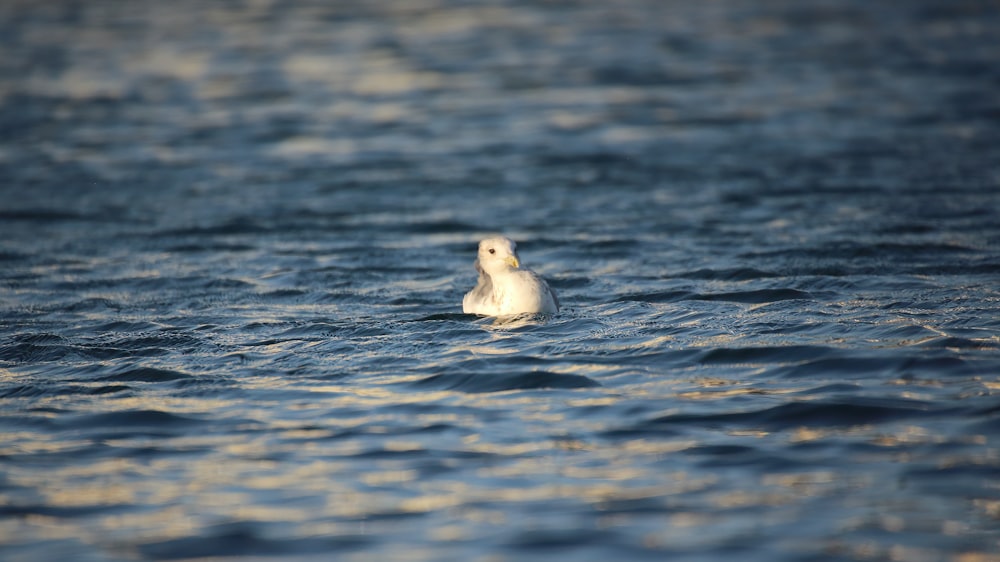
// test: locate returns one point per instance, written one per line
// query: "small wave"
(30, 348)
(444, 316)
(967, 477)
(44, 215)
(35, 390)
(283, 294)
(8, 256)
(613, 245)
(313, 330)
(234, 226)
(859, 367)
(24, 391)
(146, 374)
(108, 389)
(848, 250)
(952, 342)
(25, 353)
(566, 283)
(40, 338)
(124, 326)
(439, 227)
(989, 422)
(839, 413)
(227, 283)
(59, 511)
(209, 247)
(960, 268)
(317, 433)
(95, 304)
(492, 382)
(721, 450)
(154, 343)
(603, 159)
(561, 540)
(734, 274)
(130, 419)
(740, 455)
(656, 297)
(243, 539)
(760, 296)
(776, 354)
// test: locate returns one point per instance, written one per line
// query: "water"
(236, 236)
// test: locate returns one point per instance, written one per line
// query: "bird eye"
(492, 251)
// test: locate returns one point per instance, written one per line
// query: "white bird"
(504, 287)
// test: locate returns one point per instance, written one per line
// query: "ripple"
(759, 296)
(496, 382)
(656, 297)
(128, 420)
(63, 512)
(246, 540)
(44, 215)
(776, 354)
(731, 274)
(146, 374)
(819, 413)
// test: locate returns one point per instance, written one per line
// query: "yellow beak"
(512, 261)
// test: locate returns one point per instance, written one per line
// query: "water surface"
(234, 240)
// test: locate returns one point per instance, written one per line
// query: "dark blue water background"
(235, 236)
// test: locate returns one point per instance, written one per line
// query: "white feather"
(504, 287)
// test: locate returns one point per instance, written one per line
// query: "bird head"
(497, 254)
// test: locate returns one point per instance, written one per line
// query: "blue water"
(235, 237)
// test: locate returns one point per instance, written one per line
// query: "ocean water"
(235, 237)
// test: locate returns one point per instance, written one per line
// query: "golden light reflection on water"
(165, 522)
(229, 480)
(591, 401)
(432, 502)
(728, 393)
(804, 484)
(42, 526)
(688, 520)
(476, 350)
(223, 483)
(587, 492)
(381, 478)
(25, 442)
(107, 493)
(748, 433)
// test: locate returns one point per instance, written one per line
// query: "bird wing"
(480, 295)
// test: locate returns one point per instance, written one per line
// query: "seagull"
(504, 287)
